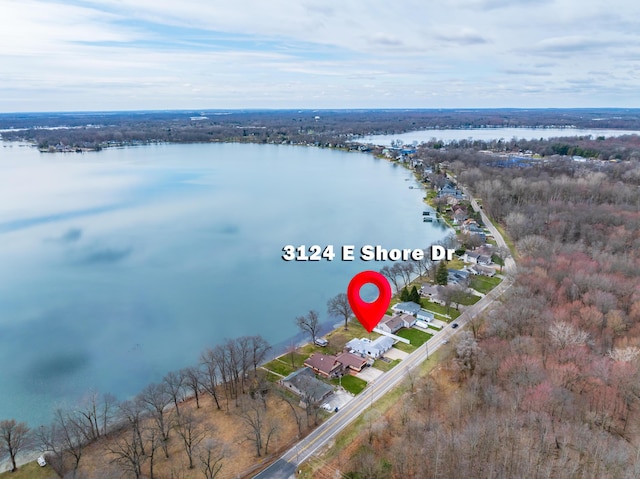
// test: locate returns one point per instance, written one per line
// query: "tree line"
(134, 432)
(547, 383)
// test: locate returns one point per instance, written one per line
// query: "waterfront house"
(366, 347)
(303, 383)
(324, 365)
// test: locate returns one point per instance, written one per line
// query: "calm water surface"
(118, 266)
(487, 134)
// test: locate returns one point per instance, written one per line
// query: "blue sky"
(195, 54)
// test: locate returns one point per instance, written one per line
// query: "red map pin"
(369, 314)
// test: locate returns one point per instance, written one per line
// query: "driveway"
(338, 400)
(394, 353)
(369, 374)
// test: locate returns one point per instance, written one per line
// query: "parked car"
(321, 342)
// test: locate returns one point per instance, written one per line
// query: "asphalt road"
(286, 466)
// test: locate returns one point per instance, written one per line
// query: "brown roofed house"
(324, 365)
(351, 361)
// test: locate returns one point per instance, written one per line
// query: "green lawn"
(384, 366)
(280, 367)
(407, 348)
(271, 377)
(351, 383)
(484, 284)
(417, 337)
(30, 470)
(471, 299)
(438, 308)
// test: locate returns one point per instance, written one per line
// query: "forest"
(328, 128)
(547, 384)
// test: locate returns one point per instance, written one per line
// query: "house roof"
(365, 345)
(383, 343)
(407, 318)
(350, 360)
(393, 322)
(322, 362)
(305, 381)
(430, 289)
(407, 307)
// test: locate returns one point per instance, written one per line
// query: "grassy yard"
(351, 383)
(417, 337)
(384, 366)
(407, 348)
(272, 378)
(281, 367)
(379, 408)
(472, 299)
(438, 308)
(30, 470)
(484, 284)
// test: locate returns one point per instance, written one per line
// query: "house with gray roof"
(366, 347)
(408, 307)
(390, 324)
(303, 383)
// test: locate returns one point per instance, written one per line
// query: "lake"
(487, 134)
(121, 265)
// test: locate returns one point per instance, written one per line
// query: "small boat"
(427, 219)
(426, 213)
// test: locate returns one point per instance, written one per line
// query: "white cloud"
(130, 54)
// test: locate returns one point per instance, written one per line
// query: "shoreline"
(330, 325)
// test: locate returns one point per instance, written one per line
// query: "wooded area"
(546, 385)
(327, 128)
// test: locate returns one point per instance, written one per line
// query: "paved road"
(285, 467)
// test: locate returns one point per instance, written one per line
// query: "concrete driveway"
(394, 353)
(369, 374)
(337, 400)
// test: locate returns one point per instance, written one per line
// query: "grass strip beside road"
(385, 366)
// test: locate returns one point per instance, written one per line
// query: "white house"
(366, 347)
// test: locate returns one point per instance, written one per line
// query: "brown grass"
(219, 424)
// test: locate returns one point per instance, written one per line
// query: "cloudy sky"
(204, 54)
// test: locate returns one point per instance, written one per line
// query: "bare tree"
(259, 349)
(129, 454)
(253, 415)
(406, 269)
(131, 412)
(466, 353)
(191, 434)
(296, 416)
(423, 266)
(192, 380)
(155, 399)
(64, 437)
(309, 324)
(209, 379)
(391, 274)
(564, 334)
(272, 427)
(211, 453)
(339, 306)
(174, 384)
(14, 437)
